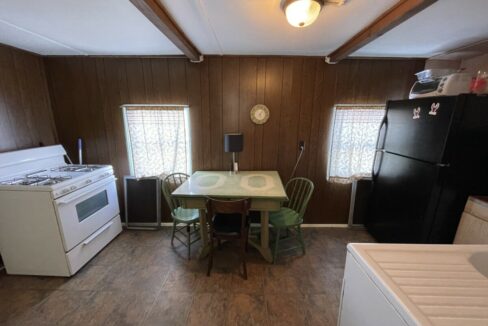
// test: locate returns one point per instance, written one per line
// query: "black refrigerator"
(432, 153)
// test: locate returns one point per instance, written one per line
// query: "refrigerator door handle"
(384, 123)
(377, 163)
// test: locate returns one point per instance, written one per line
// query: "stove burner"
(52, 176)
(53, 180)
(78, 168)
(35, 181)
(23, 181)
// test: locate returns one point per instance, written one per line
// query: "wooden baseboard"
(170, 224)
(324, 225)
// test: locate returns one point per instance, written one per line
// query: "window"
(90, 206)
(354, 136)
(158, 139)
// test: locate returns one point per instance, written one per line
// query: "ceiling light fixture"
(301, 13)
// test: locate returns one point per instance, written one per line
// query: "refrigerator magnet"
(433, 108)
(416, 113)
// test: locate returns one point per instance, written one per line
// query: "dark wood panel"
(305, 115)
(288, 125)
(300, 92)
(193, 77)
(206, 118)
(230, 104)
(258, 129)
(215, 110)
(247, 98)
(26, 119)
(273, 100)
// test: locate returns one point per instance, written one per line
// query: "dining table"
(263, 188)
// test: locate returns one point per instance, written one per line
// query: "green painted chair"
(183, 218)
(290, 217)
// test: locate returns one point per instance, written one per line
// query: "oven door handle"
(64, 201)
(96, 234)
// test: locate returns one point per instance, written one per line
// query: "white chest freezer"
(405, 284)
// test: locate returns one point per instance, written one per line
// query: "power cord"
(301, 148)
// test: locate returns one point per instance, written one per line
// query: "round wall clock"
(259, 114)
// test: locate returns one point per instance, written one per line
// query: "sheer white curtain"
(354, 136)
(158, 139)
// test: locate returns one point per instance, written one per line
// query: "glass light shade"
(301, 13)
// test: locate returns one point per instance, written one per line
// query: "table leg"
(204, 250)
(264, 249)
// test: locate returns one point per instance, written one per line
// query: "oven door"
(83, 212)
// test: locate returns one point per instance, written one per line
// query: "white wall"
(442, 64)
(470, 65)
(476, 63)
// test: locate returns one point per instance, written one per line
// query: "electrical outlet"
(301, 145)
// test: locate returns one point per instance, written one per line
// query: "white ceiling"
(260, 26)
(80, 27)
(116, 27)
(445, 25)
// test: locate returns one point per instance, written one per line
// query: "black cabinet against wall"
(142, 202)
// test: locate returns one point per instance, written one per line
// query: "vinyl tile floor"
(139, 279)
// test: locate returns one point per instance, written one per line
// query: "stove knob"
(64, 190)
(72, 188)
(88, 181)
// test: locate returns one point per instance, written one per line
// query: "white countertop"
(441, 285)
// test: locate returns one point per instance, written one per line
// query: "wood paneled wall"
(300, 92)
(25, 111)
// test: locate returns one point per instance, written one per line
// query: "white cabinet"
(362, 302)
(473, 227)
(415, 284)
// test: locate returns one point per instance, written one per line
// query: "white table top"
(244, 184)
(430, 284)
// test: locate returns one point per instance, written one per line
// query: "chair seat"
(185, 215)
(285, 217)
(227, 224)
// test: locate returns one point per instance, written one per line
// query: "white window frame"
(331, 137)
(186, 113)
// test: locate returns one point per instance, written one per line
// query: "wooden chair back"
(240, 206)
(170, 183)
(299, 192)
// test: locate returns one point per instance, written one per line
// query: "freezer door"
(404, 195)
(419, 128)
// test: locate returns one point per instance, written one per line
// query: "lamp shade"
(233, 142)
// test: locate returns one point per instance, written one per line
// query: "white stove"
(54, 216)
(60, 180)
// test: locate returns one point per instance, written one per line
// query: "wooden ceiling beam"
(391, 18)
(157, 15)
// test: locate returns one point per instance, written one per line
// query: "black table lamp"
(233, 143)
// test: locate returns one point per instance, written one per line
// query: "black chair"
(228, 221)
